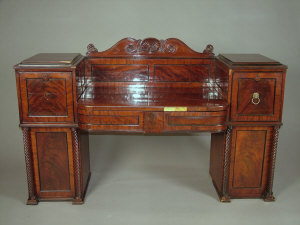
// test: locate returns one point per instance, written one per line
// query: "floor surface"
(141, 180)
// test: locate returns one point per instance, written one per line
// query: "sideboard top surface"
(51, 59)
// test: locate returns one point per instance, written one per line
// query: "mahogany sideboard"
(149, 86)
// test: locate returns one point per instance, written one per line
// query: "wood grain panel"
(117, 73)
(53, 162)
(46, 96)
(266, 90)
(112, 121)
(194, 121)
(250, 158)
(52, 152)
(47, 104)
(50, 85)
(267, 85)
(153, 122)
(181, 73)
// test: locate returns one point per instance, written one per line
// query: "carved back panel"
(150, 62)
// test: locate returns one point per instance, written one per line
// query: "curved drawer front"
(195, 121)
(112, 121)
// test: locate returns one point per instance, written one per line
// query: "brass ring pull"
(255, 98)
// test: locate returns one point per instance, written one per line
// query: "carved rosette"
(269, 190)
(227, 155)
(32, 199)
(91, 48)
(149, 46)
(76, 164)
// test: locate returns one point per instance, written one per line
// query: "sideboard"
(156, 87)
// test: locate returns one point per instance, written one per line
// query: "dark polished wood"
(150, 86)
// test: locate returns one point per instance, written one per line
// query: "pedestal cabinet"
(244, 168)
(56, 152)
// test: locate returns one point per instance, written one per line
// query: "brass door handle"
(255, 98)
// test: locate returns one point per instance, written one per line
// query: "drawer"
(194, 121)
(112, 121)
(256, 96)
(46, 97)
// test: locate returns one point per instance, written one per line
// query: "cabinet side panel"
(53, 163)
(85, 159)
(216, 159)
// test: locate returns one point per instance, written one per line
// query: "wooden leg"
(81, 164)
(220, 152)
(225, 197)
(78, 199)
(269, 197)
(32, 199)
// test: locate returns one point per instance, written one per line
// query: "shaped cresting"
(156, 87)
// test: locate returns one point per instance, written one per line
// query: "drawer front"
(46, 97)
(256, 96)
(194, 121)
(112, 121)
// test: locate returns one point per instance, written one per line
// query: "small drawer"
(46, 97)
(195, 121)
(112, 121)
(256, 96)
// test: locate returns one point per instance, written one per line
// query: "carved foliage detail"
(149, 45)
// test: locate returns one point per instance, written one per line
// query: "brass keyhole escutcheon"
(255, 98)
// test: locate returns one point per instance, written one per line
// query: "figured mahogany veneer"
(53, 162)
(268, 85)
(46, 96)
(150, 86)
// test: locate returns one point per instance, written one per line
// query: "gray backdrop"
(149, 180)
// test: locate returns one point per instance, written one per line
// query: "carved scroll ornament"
(150, 47)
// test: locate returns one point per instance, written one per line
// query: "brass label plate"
(175, 109)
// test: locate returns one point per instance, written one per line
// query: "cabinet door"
(46, 97)
(250, 155)
(53, 162)
(256, 96)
